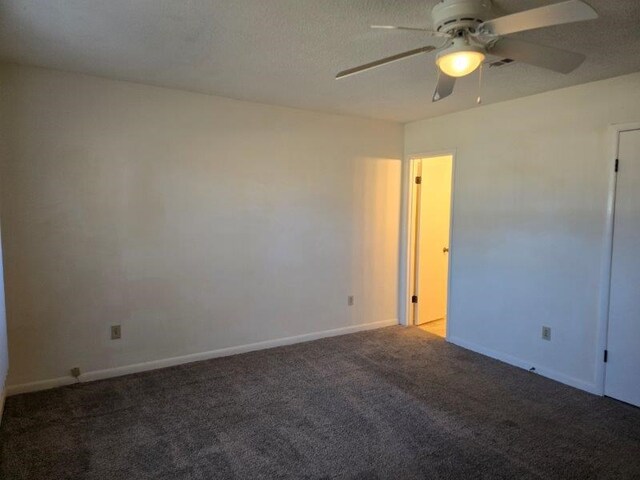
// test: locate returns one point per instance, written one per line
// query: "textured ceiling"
(287, 52)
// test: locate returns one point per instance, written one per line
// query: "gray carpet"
(394, 403)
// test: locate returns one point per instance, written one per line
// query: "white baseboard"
(518, 362)
(195, 357)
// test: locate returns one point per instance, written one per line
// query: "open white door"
(622, 379)
(433, 238)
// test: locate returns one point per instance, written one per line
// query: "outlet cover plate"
(116, 332)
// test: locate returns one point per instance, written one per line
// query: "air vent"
(500, 63)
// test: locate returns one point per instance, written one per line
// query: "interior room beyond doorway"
(431, 219)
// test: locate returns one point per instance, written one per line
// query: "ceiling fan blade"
(550, 58)
(384, 61)
(444, 87)
(557, 14)
(431, 33)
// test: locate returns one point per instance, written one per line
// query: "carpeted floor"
(394, 403)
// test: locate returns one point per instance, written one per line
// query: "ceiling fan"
(470, 34)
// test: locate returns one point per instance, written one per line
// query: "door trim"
(406, 241)
(607, 257)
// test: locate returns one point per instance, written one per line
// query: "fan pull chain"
(479, 100)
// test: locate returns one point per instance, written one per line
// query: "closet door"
(622, 379)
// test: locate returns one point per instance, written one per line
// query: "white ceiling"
(286, 52)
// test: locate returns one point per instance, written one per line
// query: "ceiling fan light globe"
(460, 63)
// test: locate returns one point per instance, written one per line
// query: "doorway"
(430, 226)
(622, 355)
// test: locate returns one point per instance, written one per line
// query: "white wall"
(201, 223)
(4, 346)
(196, 222)
(530, 204)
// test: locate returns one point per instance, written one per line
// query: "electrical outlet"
(350, 300)
(546, 333)
(75, 372)
(116, 333)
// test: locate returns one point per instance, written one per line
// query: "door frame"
(407, 238)
(613, 134)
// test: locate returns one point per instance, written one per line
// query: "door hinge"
(414, 299)
(617, 164)
(418, 180)
(606, 356)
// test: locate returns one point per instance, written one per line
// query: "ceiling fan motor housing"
(452, 16)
